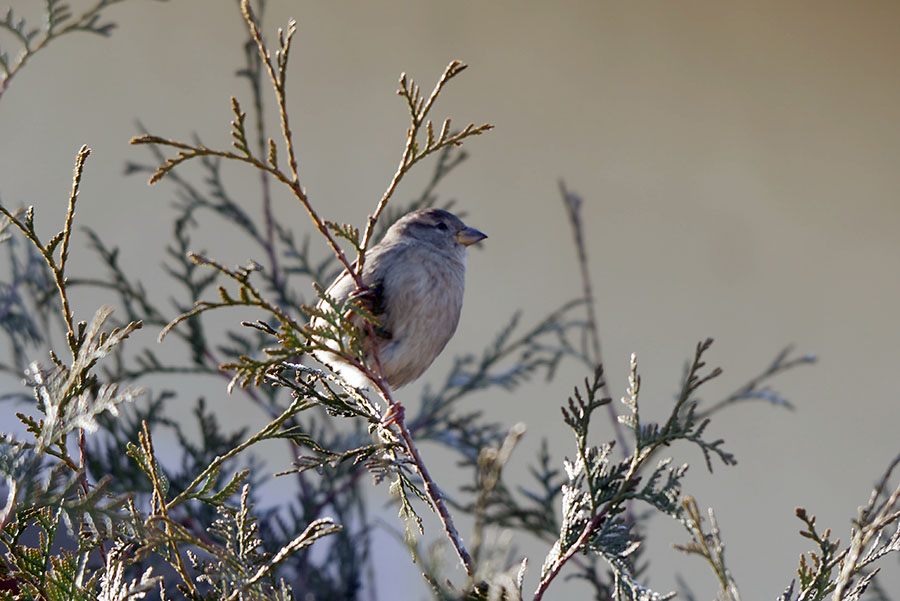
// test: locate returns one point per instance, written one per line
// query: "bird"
(413, 283)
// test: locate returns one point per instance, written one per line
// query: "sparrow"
(413, 283)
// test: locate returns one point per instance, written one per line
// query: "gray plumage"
(415, 278)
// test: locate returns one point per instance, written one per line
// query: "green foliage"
(845, 573)
(110, 517)
(709, 546)
(599, 490)
(241, 569)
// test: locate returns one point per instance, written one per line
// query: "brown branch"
(431, 489)
(278, 83)
(418, 111)
(589, 529)
(59, 274)
(278, 78)
(189, 151)
(254, 73)
(159, 507)
(83, 481)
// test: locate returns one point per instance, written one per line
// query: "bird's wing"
(342, 286)
(372, 297)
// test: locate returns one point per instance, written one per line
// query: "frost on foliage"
(70, 399)
(65, 394)
(114, 587)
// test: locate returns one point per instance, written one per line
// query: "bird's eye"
(441, 226)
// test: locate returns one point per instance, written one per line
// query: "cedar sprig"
(683, 423)
(708, 545)
(61, 239)
(316, 387)
(758, 389)
(598, 489)
(277, 71)
(815, 573)
(247, 295)
(237, 128)
(419, 109)
(58, 19)
(844, 574)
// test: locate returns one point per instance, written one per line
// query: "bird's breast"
(423, 307)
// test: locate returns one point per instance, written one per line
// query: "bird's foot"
(395, 414)
(365, 293)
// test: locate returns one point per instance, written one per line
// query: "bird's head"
(436, 227)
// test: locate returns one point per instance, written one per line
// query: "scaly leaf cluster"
(845, 573)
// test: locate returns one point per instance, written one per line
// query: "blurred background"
(739, 167)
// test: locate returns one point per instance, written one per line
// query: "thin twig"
(83, 481)
(47, 250)
(278, 78)
(254, 66)
(418, 110)
(779, 365)
(83, 154)
(491, 462)
(432, 491)
(161, 509)
(216, 463)
(589, 529)
(874, 517)
(431, 488)
(278, 83)
(50, 34)
(572, 203)
(709, 546)
(398, 175)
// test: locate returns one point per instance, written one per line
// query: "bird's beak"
(469, 236)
